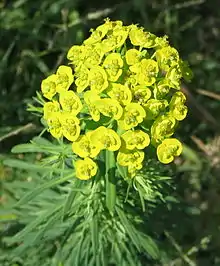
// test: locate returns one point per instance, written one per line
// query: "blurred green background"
(34, 39)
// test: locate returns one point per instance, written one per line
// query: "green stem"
(110, 180)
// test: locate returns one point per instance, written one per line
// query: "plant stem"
(110, 180)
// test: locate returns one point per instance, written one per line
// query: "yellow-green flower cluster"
(130, 79)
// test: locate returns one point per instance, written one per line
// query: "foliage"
(34, 40)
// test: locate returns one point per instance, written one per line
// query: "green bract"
(126, 81)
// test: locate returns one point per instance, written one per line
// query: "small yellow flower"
(177, 108)
(105, 138)
(64, 78)
(50, 108)
(133, 56)
(70, 102)
(135, 139)
(154, 108)
(48, 86)
(179, 112)
(168, 149)
(76, 54)
(85, 169)
(98, 34)
(98, 79)
(141, 38)
(147, 71)
(82, 78)
(167, 57)
(132, 116)
(55, 127)
(141, 94)
(113, 64)
(127, 157)
(93, 56)
(163, 127)
(70, 126)
(109, 107)
(161, 89)
(121, 93)
(84, 147)
(178, 98)
(90, 98)
(173, 76)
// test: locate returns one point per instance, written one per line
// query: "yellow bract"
(113, 64)
(90, 99)
(147, 71)
(84, 147)
(50, 108)
(132, 116)
(85, 169)
(135, 139)
(163, 127)
(167, 57)
(64, 78)
(127, 157)
(98, 79)
(141, 38)
(133, 56)
(141, 94)
(154, 108)
(70, 126)
(105, 138)
(54, 124)
(82, 78)
(48, 86)
(110, 108)
(168, 149)
(121, 93)
(70, 102)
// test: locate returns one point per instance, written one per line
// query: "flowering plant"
(113, 109)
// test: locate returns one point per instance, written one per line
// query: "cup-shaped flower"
(129, 157)
(163, 127)
(98, 34)
(168, 149)
(76, 54)
(141, 38)
(70, 126)
(48, 86)
(50, 108)
(167, 57)
(173, 76)
(82, 78)
(121, 93)
(90, 99)
(70, 102)
(154, 108)
(85, 169)
(64, 78)
(84, 147)
(147, 71)
(113, 64)
(109, 107)
(141, 94)
(133, 56)
(135, 139)
(161, 89)
(133, 115)
(98, 79)
(54, 125)
(105, 138)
